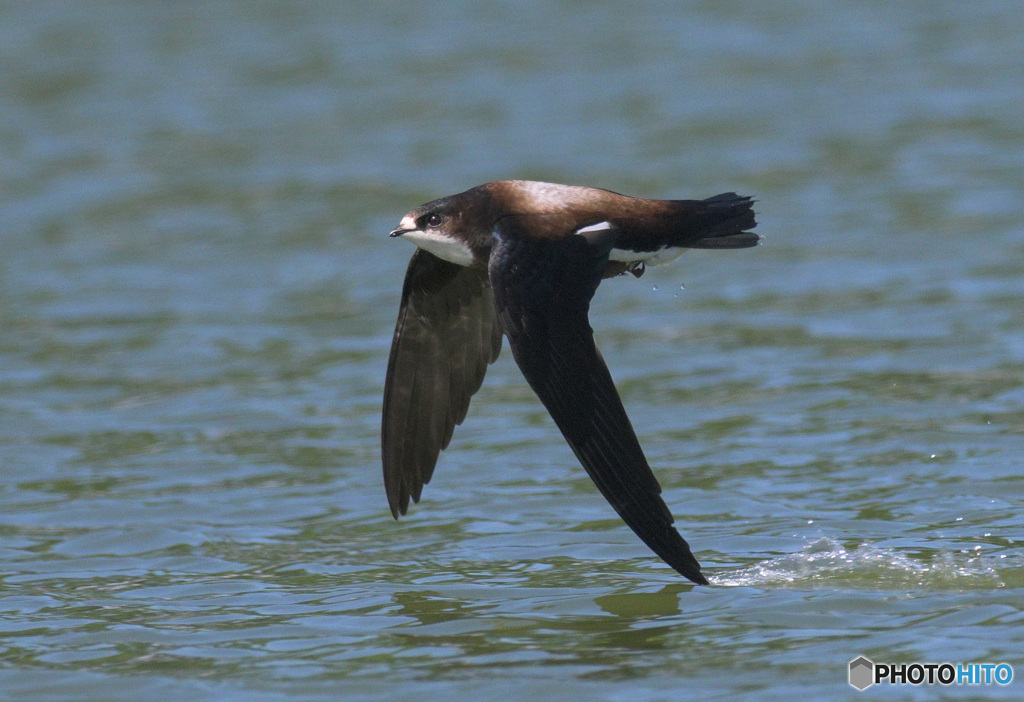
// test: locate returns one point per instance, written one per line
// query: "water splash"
(868, 566)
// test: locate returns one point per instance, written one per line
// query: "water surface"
(197, 296)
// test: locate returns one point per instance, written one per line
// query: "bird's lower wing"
(542, 290)
(447, 334)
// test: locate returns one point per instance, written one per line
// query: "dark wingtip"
(395, 508)
(689, 569)
(398, 503)
(697, 578)
(673, 549)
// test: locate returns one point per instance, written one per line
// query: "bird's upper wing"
(543, 284)
(447, 334)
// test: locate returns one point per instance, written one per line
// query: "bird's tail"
(724, 221)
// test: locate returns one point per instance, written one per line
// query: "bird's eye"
(433, 220)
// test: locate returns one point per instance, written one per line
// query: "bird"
(522, 259)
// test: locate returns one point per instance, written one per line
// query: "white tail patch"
(650, 258)
(595, 233)
(599, 227)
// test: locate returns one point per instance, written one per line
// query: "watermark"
(865, 673)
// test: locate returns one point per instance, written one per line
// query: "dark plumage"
(524, 259)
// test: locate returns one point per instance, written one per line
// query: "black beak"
(400, 232)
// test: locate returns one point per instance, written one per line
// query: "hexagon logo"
(862, 673)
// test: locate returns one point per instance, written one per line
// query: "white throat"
(442, 246)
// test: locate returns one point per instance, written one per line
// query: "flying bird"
(523, 259)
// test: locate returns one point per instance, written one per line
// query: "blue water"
(197, 295)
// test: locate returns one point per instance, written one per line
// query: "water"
(196, 301)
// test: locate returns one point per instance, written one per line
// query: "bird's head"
(453, 228)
